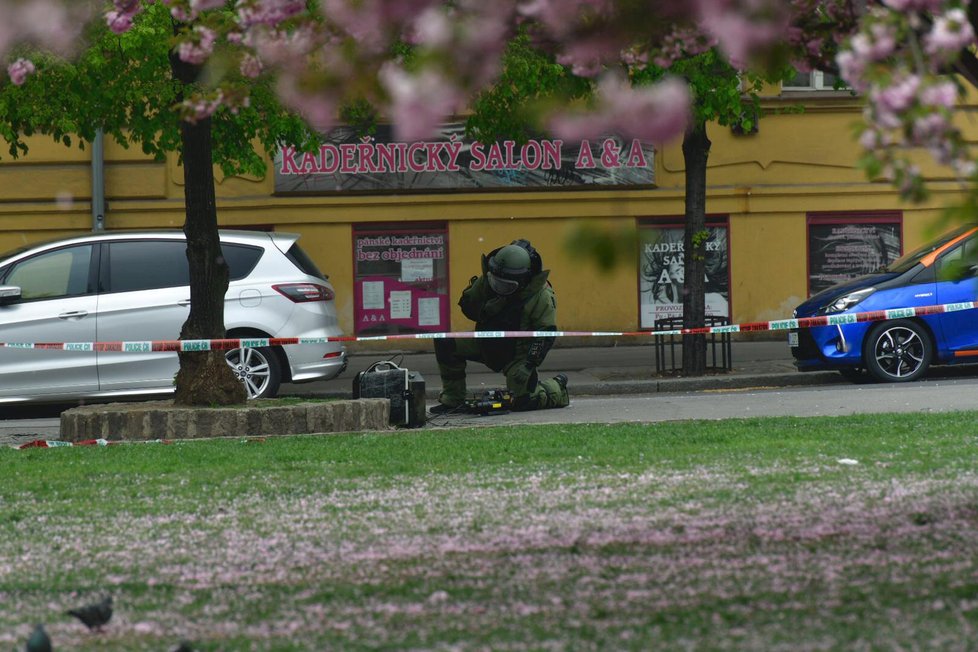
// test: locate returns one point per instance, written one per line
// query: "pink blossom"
(913, 5)
(318, 109)
(877, 45)
(118, 22)
(433, 28)
(941, 95)
(19, 70)
(250, 66)
(51, 23)
(950, 33)
(929, 126)
(370, 24)
(870, 139)
(899, 96)
(119, 19)
(682, 41)
(742, 30)
(267, 12)
(293, 49)
(651, 113)
(199, 46)
(419, 103)
(197, 109)
(181, 13)
(561, 17)
(589, 56)
(203, 5)
(853, 70)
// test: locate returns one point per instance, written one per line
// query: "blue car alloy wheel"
(898, 351)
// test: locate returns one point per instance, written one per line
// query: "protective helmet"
(509, 269)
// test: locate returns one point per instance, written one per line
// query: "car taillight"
(304, 292)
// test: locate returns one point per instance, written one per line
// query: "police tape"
(57, 443)
(225, 344)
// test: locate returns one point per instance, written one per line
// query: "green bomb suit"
(532, 308)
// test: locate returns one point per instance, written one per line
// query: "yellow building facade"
(776, 194)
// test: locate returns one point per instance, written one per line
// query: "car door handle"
(74, 314)
(183, 302)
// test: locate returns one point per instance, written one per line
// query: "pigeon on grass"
(95, 615)
(39, 641)
(185, 646)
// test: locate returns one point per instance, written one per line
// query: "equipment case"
(405, 389)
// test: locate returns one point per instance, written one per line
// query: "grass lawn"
(851, 533)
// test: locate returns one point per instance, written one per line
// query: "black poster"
(840, 252)
(662, 274)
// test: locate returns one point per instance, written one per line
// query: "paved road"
(946, 395)
(941, 395)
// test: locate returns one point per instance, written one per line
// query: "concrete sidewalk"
(596, 371)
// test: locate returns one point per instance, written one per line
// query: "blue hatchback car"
(900, 350)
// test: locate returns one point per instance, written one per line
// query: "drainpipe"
(98, 183)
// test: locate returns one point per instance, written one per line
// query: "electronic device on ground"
(404, 388)
(493, 401)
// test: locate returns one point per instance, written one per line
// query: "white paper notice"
(373, 295)
(400, 304)
(428, 312)
(417, 269)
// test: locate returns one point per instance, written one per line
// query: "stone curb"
(163, 420)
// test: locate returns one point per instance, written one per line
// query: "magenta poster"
(401, 281)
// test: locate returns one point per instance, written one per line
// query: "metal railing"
(669, 348)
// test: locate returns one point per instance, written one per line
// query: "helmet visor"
(502, 286)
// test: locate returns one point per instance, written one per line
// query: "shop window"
(843, 246)
(400, 279)
(662, 273)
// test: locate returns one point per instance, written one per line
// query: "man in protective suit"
(512, 294)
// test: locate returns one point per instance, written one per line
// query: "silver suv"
(134, 286)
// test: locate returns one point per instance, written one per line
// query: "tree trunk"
(204, 378)
(696, 152)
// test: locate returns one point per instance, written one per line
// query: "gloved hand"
(521, 377)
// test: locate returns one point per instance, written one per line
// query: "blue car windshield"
(908, 261)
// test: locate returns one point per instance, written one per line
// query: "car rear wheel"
(259, 369)
(897, 351)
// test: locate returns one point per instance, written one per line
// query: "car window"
(302, 260)
(908, 261)
(241, 259)
(54, 274)
(153, 264)
(960, 262)
(147, 264)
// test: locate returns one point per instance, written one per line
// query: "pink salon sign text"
(350, 163)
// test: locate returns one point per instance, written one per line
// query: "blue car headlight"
(847, 301)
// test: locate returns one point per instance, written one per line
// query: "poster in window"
(662, 274)
(401, 280)
(839, 252)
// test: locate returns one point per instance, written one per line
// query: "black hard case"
(403, 387)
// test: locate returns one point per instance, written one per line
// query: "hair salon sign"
(347, 163)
